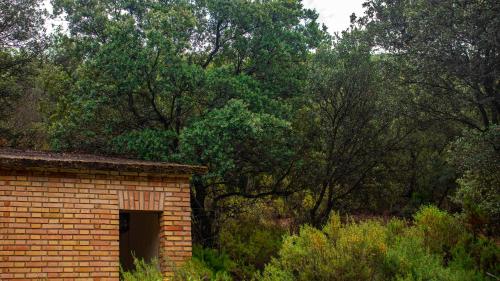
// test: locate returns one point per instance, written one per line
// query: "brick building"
(77, 217)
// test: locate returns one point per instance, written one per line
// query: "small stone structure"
(76, 217)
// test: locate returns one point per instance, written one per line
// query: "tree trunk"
(203, 233)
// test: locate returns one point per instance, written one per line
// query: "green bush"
(274, 272)
(206, 265)
(407, 260)
(479, 254)
(343, 253)
(216, 261)
(193, 270)
(395, 228)
(440, 231)
(437, 247)
(250, 244)
(448, 237)
(477, 156)
(196, 270)
(306, 255)
(143, 271)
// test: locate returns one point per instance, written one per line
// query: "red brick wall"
(64, 225)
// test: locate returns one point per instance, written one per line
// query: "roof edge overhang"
(20, 159)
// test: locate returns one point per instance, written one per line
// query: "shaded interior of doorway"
(139, 236)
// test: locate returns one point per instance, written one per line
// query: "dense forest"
(372, 154)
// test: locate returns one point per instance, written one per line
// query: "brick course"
(58, 224)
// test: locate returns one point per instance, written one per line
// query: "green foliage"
(250, 243)
(395, 228)
(22, 39)
(146, 144)
(216, 261)
(408, 260)
(163, 64)
(477, 155)
(439, 49)
(196, 270)
(441, 231)
(345, 123)
(193, 270)
(206, 265)
(21, 28)
(416, 174)
(481, 254)
(143, 271)
(231, 140)
(274, 272)
(22, 124)
(431, 249)
(446, 236)
(344, 253)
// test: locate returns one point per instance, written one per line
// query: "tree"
(21, 24)
(153, 79)
(477, 156)
(446, 56)
(152, 60)
(249, 155)
(416, 173)
(447, 52)
(131, 74)
(348, 124)
(21, 41)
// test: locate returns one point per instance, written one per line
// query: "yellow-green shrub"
(250, 243)
(396, 251)
(143, 271)
(434, 247)
(407, 260)
(440, 230)
(343, 253)
(206, 265)
(196, 270)
(479, 254)
(307, 256)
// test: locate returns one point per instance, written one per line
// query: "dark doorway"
(139, 237)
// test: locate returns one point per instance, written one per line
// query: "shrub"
(440, 231)
(447, 236)
(206, 265)
(307, 255)
(343, 253)
(250, 244)
(395, 228)
(143, 271)
(436, 248)
(196, 270)
(477, 156)
(193, 270)
(407, 260)
(333, 226)
(479, 254)
(274, 272)
(215, 260)
(251, 238)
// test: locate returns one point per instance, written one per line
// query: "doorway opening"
(139, 237)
